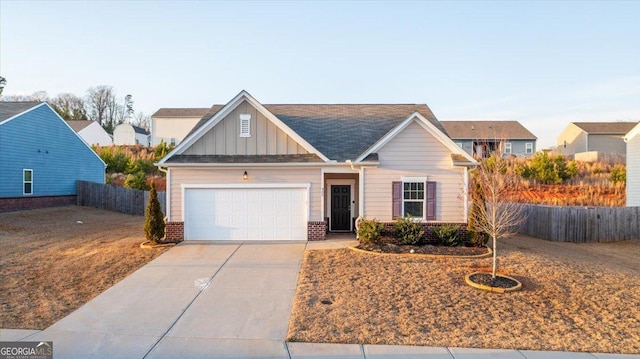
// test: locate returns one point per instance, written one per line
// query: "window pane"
(27, 176)
(414, 209)
(27, 188)
(407, 195)
(407, 186)
(420, 186)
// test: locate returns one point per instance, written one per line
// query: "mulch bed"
(498, 282)
(422, 249)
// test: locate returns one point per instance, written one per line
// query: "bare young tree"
(99, 100)
(500, 217)
(69, 106)
(36, 96)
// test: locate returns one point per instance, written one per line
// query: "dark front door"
(340, 208)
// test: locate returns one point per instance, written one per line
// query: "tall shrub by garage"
(154, 218)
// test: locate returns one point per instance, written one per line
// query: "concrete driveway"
(196, 300)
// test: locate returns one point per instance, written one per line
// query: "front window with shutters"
(414, 196)
(413, 199)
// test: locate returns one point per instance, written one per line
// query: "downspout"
(360, 191)
(167, 217)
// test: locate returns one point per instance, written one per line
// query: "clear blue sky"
(541, 63)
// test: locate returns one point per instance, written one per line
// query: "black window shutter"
(431, 201)
(396, 190)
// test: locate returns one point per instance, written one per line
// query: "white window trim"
(424, 200)
(459, 144)
(25, 182)
(507, 148)
(528, 147)
(245, 125)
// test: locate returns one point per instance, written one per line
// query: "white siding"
(633, 171)
(415, 153)
(181, 176)
(95, 134)
(124, 134)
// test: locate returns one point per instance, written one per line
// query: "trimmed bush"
(154, 218)
(407, 231)
(369, 230)
(447, 235)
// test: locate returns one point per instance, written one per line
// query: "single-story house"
(604, 137)
(41, 157)
(126, 134)
(254, 171)
(171, 125)
(632, 138)
(91, 132)
(481, 138)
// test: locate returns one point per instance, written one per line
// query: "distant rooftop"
(181, 112)
(606, 128)
(487, 130)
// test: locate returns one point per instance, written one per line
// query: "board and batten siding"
(39, 140)
(633, 171)
(180, 176)
(415, 153)
(265, 139)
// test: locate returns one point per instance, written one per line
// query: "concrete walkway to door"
(197, 300)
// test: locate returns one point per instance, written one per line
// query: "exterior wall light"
(245, 175)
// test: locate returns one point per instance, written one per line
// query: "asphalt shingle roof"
(341, 132)
(9, 109)
(487, 130)
(606, 128)
(181, 112)
(79, 125)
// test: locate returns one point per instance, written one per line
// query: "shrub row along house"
(41, 157)
(254, 171)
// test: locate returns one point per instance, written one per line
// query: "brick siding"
(316, 230)
(174, 232)
(23, 203)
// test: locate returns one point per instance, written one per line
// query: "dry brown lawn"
(50, 264)
(575, 297)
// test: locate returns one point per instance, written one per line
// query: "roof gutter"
(262, 164)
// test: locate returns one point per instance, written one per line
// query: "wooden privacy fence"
(115, 198)
(581, 224)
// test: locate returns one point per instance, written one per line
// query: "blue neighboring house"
(41, 158)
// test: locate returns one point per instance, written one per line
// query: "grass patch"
(575, 297)
(51, 264)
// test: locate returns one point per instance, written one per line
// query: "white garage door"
(245, 213)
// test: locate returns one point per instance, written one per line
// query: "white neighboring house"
(632, 138)
(171, 125)
(126, 134)
(91, 132)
